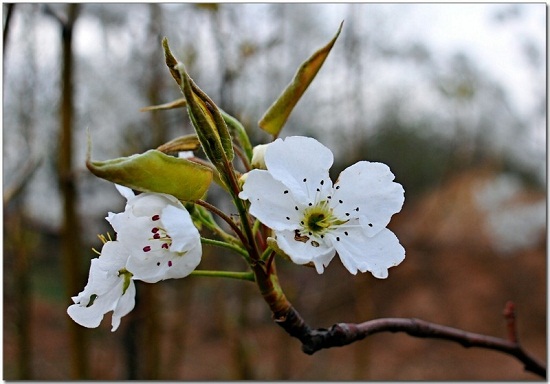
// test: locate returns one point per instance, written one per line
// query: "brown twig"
(342, 334)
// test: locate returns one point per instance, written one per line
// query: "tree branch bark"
(342, 334)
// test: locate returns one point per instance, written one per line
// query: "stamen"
(285, 192)
(155, 217)
(169, 263)
(146, 248)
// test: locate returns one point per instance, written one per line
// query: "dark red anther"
(156, 217)
(146, 248)
(169, 263)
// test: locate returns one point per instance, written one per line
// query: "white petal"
(297, 159)
(113, 257)
(84, 316)
(179, 226)
(376, 254)
(124, 306)
(161, 264)
(107, 289)
(303, 253)
(125, 191)
(271, 201)
(184, 264)
(133, 232)
(150, 204)
(367, 191)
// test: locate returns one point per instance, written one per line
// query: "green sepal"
(276, 116)
(153, 171)
(127, 276)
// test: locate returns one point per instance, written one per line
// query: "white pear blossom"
(313, 219)
(109, 288)
(159, 234)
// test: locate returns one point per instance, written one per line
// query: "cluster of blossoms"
(312, 219)
(156, 240)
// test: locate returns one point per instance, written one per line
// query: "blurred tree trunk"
(7, 23)
(21, 270)
(150, 300)
(70, 235)
(143, 337)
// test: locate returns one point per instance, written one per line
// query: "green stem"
(249, 276)
(266, 253)
(223, 244)
(243, 214)
(225, 218)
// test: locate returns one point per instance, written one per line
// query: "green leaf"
(153, 171)
(179, 103)
(276, 116)
(239, 133)
(181, 144)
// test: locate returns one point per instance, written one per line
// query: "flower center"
(159, 234)
(318, 219)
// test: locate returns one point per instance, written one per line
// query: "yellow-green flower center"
(318, 219)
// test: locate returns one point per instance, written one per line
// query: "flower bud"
(153, 171)
(258, 154)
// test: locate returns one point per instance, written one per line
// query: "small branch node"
(510, 317)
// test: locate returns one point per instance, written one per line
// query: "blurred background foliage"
(462, 126)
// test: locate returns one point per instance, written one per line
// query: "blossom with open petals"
(313, 219)
(159, 234)
(110, 288)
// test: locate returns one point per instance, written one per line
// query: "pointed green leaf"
(276, 116)
(153, 171)
(179, 103)
(180, 144)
